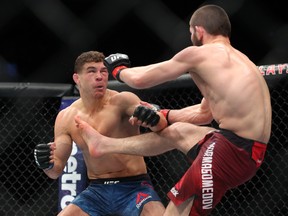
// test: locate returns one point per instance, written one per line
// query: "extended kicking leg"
(149, 144)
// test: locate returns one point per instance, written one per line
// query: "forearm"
(147, 76)
(141, 77)
(192, 114)
(136, 77)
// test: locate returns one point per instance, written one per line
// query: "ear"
(199, 32)
(76, 78)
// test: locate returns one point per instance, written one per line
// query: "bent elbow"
(52, 175)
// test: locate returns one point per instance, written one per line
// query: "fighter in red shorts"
(221, 161)
(235, 95)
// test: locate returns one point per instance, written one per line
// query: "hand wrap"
(165, 112)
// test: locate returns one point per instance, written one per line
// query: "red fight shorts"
(221, 161)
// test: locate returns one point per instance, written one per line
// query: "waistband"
(142, 177)
(241, 142)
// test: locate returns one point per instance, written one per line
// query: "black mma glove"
(156, 107)
(41, 155)
(147, 115)
(115, 63)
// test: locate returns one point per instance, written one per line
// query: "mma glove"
(115, 63)
(147, 115)
(42, 156)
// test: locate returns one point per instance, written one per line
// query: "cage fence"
(28, 112)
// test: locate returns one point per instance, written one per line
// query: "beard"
(196, 41)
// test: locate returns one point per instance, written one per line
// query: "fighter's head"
(90, 74)
(209, 18)
(87, 57)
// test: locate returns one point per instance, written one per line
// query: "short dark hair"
(213, 19)
(90, 56)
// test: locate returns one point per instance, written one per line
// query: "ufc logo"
(111, 182)
(118, 56)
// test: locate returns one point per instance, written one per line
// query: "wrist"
(116, 72)
(165, 113)
(51, 165)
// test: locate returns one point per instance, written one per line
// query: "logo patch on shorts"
(141, 197)
(174, 191)
(145, 183)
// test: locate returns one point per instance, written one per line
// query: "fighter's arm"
(60, 149)
(142, 113)
(198, 114)
(149, 116)
(154, 74)
(151, 75)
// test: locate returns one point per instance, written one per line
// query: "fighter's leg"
(71, 210)
(182, 136)
(148, 144)
(92, 137)
(153, 208)
(183, 209)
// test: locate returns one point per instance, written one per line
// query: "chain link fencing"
(27, 115)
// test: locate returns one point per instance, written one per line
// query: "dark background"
(40, 39)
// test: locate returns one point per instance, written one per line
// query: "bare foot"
(92, 137)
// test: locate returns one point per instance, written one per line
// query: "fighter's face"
(92, 79)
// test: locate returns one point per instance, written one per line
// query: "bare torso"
(233, 86)
(235, 90)
(111, 120)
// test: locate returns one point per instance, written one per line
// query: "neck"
(96, 103)
(217, 39)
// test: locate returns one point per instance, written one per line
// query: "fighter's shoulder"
(201, 48)
(70, 110)
(210, 48)
(196, 51)
(124, 97)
